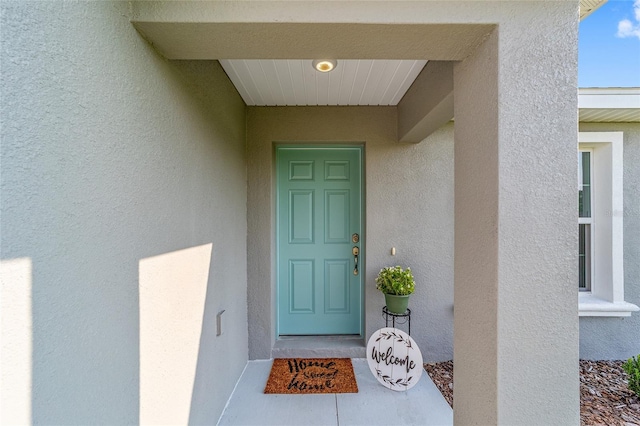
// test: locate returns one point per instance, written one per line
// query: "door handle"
(356, 251)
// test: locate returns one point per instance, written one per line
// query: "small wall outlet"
(219, 323)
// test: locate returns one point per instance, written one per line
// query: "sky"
(609, 46)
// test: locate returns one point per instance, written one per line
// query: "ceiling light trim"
(324, 65)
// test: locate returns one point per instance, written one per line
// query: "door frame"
(362, 259)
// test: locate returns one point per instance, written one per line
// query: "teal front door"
(319, 237)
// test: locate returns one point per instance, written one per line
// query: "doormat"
(311, 375)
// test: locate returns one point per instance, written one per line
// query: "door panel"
(336, 217)
(336, 286)
(302, 294)
(319, 208)
(301, 217)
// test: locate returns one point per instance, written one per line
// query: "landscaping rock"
(605, 397)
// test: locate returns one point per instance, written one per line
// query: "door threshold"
(319, 347)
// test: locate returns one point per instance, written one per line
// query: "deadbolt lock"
(355, 238)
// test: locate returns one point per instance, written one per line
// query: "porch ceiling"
(270, 63)
(266, 52)
(269, 82)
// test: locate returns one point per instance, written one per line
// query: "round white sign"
(394, 359)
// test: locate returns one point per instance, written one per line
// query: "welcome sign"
(394, 359)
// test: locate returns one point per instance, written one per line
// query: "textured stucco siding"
(515, 313)
(123, 185)
(619, 338)
(409, 206)
(423, 173)
(515, 142)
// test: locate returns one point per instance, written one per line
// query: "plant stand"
(402, 318)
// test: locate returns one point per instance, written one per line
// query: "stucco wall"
(409, 205)
(514, 222)
(619, 338)
(419, 176)
(123, 188)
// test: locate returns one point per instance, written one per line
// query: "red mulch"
(605, 397)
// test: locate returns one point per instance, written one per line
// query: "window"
(585, 220)
(600, 225)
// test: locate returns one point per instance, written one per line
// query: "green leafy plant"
(632, 367)
(395, 280)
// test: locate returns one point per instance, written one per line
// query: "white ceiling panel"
(296, 83)
(296, 79)
(347, 78)
(406, 74)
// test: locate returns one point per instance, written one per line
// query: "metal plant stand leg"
(402, 318)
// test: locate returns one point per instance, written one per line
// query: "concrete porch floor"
(372, 405)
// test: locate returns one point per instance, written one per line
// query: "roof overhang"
(609, 105)
(587, 7)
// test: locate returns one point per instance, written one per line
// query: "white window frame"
(589, 220)
(606, 296)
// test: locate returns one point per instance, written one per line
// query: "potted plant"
(396, 284)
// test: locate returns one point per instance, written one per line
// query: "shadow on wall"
(60, 343)
(172, 294)
(125, 157)
(85, 338)
(95, 328)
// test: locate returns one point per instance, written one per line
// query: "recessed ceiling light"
(324, 65)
